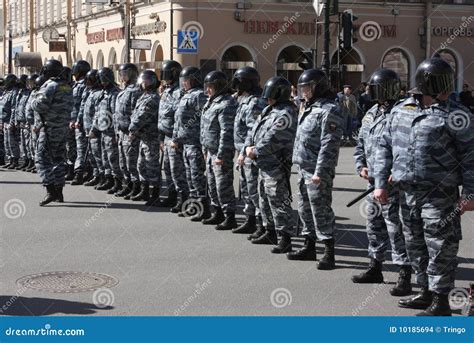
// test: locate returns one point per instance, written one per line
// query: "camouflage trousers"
(167, 169)
(220, 180)
(128, 157)
(176, 166)
(275, 201)
(25, 142)
(81, 148)
(149, 161)
(314, 206)
(2, 145)
(248, 175)
(11, 142)
(71, 147)
(195, 169)
(384, 229)
(432, 228)
(33, 141)
(51, 156)
(110, 153)
(96, 153)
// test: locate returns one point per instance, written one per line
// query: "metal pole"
(315, 51)
(127, 30)
(10, 49)
(429, 4)
(5, 11)
(68, 32)
(171, 30)
(326, 63)
(339, 85)
(32, 25)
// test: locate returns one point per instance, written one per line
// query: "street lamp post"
(10, 48)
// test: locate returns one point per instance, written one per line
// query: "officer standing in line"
(79, 71)
(53, 103)
(271, 147)
(128, 151)
(217, 139)
(428, 149)
(186, 136)
(7, 106)
(173, 163)
(246, 82)
(104, 123)
(383, 222)
(31, 122)
(144, 127)
(315, 154)
(20, 120)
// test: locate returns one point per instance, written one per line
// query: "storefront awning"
(28, 60)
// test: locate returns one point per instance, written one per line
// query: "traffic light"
(308, 60)
(347, 33)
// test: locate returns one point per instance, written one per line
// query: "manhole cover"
(67, 282)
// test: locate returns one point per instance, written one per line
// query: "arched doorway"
(288, 61)
(235, 57)
(90, 59)
(397, 60)
(450, 57)
(60, 59)
(100, 59)
(351, 67)
(113, 62)
(78, 56)
(157, 57)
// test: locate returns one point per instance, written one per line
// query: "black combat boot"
(7, 163)
(229, 223)
(182, 198)
(268, 238)
(14, 163)
(170, 201)
(284, 245)
(306, 253)
(78, 179)
(155, 197)
(419, 301)
(439, 307)
(50, 195)
(372, 275)
(96, 180)
(403, 286)
(117, 185)
(260, 229)
(89, 174)
(107, 184)
(205, 213)
(2, 161)
(70, 172)
(23, 165)
(328, 260)
(134, 192)
(30, 166)
(249, 226)
(59, 193)
(126, 189)
(144, 194)
(216, 218)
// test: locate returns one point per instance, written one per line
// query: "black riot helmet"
(277, 88)
(384, 85)
(170, 71)
(193, 74)
(148, 80)
(246, 79)
(106, 77)
(130, 70)
(52, 68)
(22, 81)
(30, 80)
(317, 80)
(218, 80)
(92, 79)
(434, 76)
(66, 75)
(80, 68)
(39, 81)
(10, 81)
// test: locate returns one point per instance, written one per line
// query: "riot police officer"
(8, 105)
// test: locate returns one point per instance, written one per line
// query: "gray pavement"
(167, 265)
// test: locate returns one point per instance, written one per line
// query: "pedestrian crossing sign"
(188, 42)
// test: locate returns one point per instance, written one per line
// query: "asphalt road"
(167, 265)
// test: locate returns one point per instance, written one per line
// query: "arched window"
(236, 57)
(100, 59)
(450, 57)
(397, 60)
(89, 58)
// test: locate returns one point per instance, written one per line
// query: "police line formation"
(119, 140)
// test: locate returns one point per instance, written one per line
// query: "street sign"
(188, 42)
(318, 7)
(58, 46)
(140, 44)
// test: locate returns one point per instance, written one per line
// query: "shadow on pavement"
(22, 306)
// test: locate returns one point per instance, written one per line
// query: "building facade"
(269, 35)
